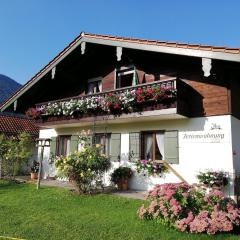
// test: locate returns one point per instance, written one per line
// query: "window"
(104, 140)
(126, 77)
(152, 146)
(94, 85)
(134, 146)
(63, 145)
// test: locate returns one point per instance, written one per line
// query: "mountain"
(7, 87)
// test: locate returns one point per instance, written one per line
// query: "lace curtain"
(160, 143)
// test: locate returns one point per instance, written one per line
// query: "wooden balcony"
(113, 106)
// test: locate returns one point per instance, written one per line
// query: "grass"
(54, 213)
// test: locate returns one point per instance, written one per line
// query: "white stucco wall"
(48, 170)
(194, 154)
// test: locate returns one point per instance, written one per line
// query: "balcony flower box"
(114, 103)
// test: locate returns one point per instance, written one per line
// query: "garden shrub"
(85, 168)
(190, 208)
(15, 152)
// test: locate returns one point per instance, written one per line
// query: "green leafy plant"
(121, 173)
(35, 167)
(85, 168)
(15, 151)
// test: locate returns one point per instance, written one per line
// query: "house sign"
(215, 134)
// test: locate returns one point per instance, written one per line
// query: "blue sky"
(32, 32)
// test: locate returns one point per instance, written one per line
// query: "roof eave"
(166, 49)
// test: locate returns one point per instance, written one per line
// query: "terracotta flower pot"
(34, 176)
(123, 184)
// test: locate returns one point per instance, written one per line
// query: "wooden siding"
(108, 81)
(215, 95)
(215, 100)
(234, 93)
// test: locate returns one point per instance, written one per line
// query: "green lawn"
(54, 213)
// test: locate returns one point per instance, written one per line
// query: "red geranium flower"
(139, 91)
(117, 106)
(33, 112)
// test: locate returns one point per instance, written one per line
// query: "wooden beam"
(53, 72)
(15, 106)
(206, 66)
(119, 53)
(83, 47)
(168, 166)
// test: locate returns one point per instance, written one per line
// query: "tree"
(2, 151)
(14, 152)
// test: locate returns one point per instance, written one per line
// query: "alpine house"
(175, 103)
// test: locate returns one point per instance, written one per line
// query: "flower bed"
(188, 208)
(113, 103)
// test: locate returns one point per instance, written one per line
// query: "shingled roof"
(11, 124)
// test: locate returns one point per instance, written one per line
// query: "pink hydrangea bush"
(190, 208)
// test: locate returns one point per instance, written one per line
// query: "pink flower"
(200, 223)
(144, 161)
(142, 212)
(153, 207)
(183, 224)
(184, 207)
(219, 223)
(173, 202)
(163, 209)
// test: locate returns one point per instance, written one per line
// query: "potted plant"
(121, 176)
(34, 170)
(213, 179)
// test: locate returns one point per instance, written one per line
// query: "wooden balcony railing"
(170, 93)
(168, 84)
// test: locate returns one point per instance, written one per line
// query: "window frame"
(94, 80)
(130, 156)
(123, 71)
(107, 136)
(153, 132)
(66, 150)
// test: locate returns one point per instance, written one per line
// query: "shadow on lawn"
(8, 183)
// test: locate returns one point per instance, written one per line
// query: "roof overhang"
(165, 49)
(143, 45)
